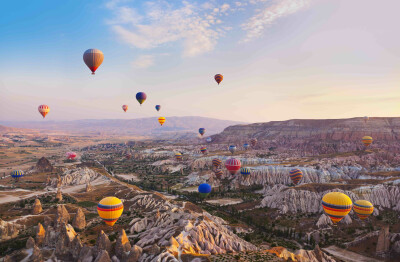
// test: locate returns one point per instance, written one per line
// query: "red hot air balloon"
(71, 155)
(93, 59)
(44, 110)
(125, 108)
(233, 165)
(253, 142)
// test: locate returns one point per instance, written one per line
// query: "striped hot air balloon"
(218, 78)
(336, 205)
(253, 142)
(245, 171)
(232, 149)
(125, 108)
(178, 156)
(233, 165)
(17, 174)
(296, 175)
(202, 131)
(203, 150)
(363, 208)
(204, 189)
(158, 107)
(217, 162)
(219, 173)
(367, 140)
(161, 120)
(141, 97)
(246, 146)
(44, 110)
(110, 209)
(93, 59)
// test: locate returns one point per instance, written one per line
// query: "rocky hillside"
(352, 129)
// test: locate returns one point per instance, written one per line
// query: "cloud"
(144, 61)
(267, 16)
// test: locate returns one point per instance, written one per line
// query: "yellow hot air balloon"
(367, 140)
(44, 110)
(363, 208)
(161, 120)
(336, 205)
(110, 209)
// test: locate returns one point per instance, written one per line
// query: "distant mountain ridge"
(350, 129)
(142, 126)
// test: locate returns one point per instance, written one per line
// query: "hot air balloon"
(233, 165)
(218, 78)
(17, 174)
(141, 97)
(93, 59)
(367, 140)
(246, 146)
(202, 131)
(253, 142)
(296, 175)
(110, 209)
(44, 110)
(203, 150)
(125, 108)
(217, 162)
(161, 120)
(336, 205)
(208, 139)
(363, 208)
(219, 173)
(158, 107)
(245, 171)
(178, 156)
(232, 149)
(366, 118)
(71, 155)
(204, 189)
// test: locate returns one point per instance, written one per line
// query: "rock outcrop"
(37, 207)
(36, 255)
(44, 165)
(122, 244)
(134, 254)
(383, 245)
(79, 221)
(40, 234)
(76, 176)
(30, 243)
(59, 195)
(8, 230)
(103, 257)
(102, 243)
(62, 215)
(88, 188)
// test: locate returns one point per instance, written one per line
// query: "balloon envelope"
(93, 59)
(141, 97)
(158, 107)
(110, 209)
(161, 120)
(204, 189)
(253, 142)
(202, 131)
(246, 146)
(245, 171)
(363, 209)
(203, 150)
(17, 174)
(367, 140)
(217, 162)
(296, 175)
(218, 78)
(336, 205)
(44, 110)
(125, 108)
(71, 155)
(208, 139)
(178, 156)
(232, 148)
(233, 165)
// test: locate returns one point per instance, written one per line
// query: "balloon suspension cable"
(93, 73)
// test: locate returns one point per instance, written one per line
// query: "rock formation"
(382, 247)
(122, 244)
(30, 243)
(8, 230)
(44, 165)
(102, 243)
(40, 234)
(76, 176)
(103, 257)
(133, 255)
(79, 221)
(59, 195)
(62, 215)
(65, 239)
(37, 207)
(36, 255)
(88, 188)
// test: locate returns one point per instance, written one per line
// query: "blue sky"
(281, 59)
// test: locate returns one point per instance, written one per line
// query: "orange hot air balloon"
(93, 59)
(125, 108)
(367, 140)
(44, 110)
(218, 78)
(161, 120)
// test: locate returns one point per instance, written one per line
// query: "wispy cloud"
(268, 15)
(143, 61)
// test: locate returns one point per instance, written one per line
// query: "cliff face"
(353, 129)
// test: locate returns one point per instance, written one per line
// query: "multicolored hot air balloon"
(70, 155)
(202, 131)
(125, 108)
(110, 209)
(204, 189)
(93, 59)
(336, 205)
(253, 142)
(233, 165)
(219, 173)
(232, 149)
(366, 118)
(161, 120)
(203, 150)
(363, 209)
(245, 171)
(296, 175)
(178, 156)
(218, 78)
(246, 146)
(158, 107)
(217, 162)
(367, 140)
(208, 139)
(17, 174)
(141, 97)
(44, 110)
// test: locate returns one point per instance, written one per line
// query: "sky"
(281, 59)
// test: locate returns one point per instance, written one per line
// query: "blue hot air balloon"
(202, 131)
(246, 146)
(204, 189)
(141, 97)
(208, 139)
(232, 148)
(158, 107)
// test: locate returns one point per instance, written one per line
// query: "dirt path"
(348, 256)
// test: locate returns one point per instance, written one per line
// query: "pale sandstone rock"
(79, 221)
(37, 207)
